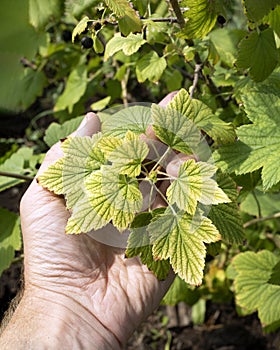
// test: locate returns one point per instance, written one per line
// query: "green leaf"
(80, 27)
(216, 128)
(226, 216)
(129, 45)
(175, 129)
(273, 19)
(258, 53)
(195, 184)
(225, 41)
(129, 21)
(253, 290)
(75, 88)
(33, 84)
(41, 11)
(113, 196)
(74, 9)
(139, 245)
(258, 145)
(150, 67)
(267, 203)
(256, 10)
(180, 291)
(127, 157)
(101, 104)
(180, 237)
(199, 311)
(201, 18)
(56, 132)
(18, 163)
(10, 238)
(134, 118)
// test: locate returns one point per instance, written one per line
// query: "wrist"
(46, 319)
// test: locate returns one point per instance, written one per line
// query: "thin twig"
(16, 176)
(178, 13)
(264, 218)
(195, 79)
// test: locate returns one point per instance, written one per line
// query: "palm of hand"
(119, 292)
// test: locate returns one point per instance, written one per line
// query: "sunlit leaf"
(258, 144)
(253, 290)
(129, 155)
(128, 19)
(195, 184)
(201, 17)
(113, 196)
(128, 45)
(216, 128)
(174, 129)
(80, 27)
(258, 53)
(133, 118)
(180, 237)
(150, 67)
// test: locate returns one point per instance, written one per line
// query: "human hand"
(107, 294)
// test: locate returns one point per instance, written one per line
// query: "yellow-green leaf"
(195, 184)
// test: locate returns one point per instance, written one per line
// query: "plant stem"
(163, 19)
(16, 176)
(197, 69)
(265, 218)
(178, 13)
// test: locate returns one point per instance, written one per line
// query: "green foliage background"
(224, 52)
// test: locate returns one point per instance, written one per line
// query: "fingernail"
(89, 125)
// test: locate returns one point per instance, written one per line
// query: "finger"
(168, 98)
(89, 126)
(173, 166)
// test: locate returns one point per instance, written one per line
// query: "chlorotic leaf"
(201, 18)
(150, 67)
(258, 53)
(174, 129)
(253, 288)
(80, 27)
(217, 129)
(10, 237)
(127, 158)
(133, 118)
(258, 144)
(128, 45)
(195, 184)
(113, 196)
(180, 238)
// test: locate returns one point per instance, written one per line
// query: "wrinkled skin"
(116, 292)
